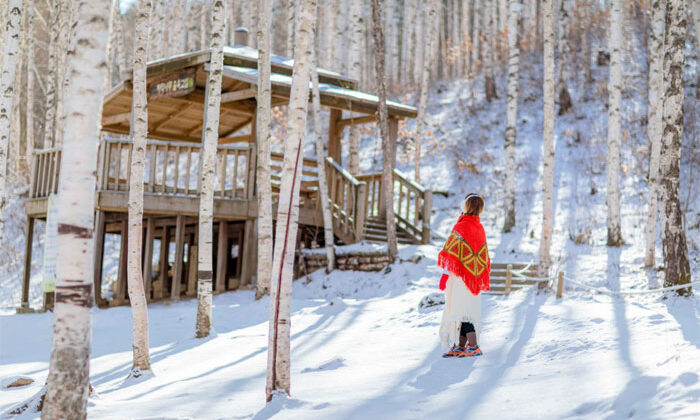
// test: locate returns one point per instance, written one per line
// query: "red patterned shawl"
(466, 255)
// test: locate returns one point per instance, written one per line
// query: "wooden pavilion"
(176, 87)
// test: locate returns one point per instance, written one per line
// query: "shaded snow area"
(362, 349)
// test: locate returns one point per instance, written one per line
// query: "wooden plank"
(148, 257)
(152, 167)
(192, 270)
(245, 138)
(159, 289)
(334, 134)
(116, 119)
(119, 166)
(234, 185)
(122, 271)
(250, 251)
(29, 235)
(177, 167)
(221, 257)
(356, 121)
(179, 255)
(189, 163)
(238, 95)
(170, 117)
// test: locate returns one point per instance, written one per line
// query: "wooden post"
(251, 190)
(27, 264)
(427, 210)
(560, 285)
(192, 271)
(179, 255)
(393, 137)
(360, 211)
(250, 252)
(121, 276)
(158, 292)
(221, 257)
(98, 258)
(334, 134)
(509, 278)
(148, 257)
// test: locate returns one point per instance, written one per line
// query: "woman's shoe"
(471, 352)
(454, 351)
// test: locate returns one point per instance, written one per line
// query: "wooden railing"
(348, 197)
(46, 165)
(412, 204)
(172, 168)
(308, 193)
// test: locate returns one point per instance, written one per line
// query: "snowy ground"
(362, 349)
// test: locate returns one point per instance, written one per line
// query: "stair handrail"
(358, 210)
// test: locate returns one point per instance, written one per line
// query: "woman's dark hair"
(473, 204)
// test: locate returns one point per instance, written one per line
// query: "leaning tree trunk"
(356, 36)
(264, 16)
(66, 395)
(513, 29)
(548, 143)
(489, 78)
(7, 94)
(565, 103)
(210, 138)
(674, 242)
(388, 146)
(424, 85)
(655, 121)
(139, 132)
(278, 359)
(321, 163)
(614, 131)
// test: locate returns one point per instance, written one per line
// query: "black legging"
(466, 328)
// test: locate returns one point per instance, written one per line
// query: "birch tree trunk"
(432, 20)
(338, 31)
(392, 38)
(178, 32)
(263, 139)
(489, 79)
(467, 41)
(57, 19)
(388, 148)
(155, 31)
(614, 131)
(139, 133)
(291, 15)
(68, 380)
(695, 11)
(112, 31)
(121, 45)
(419, 43)
(278, 358)
(210, 138)
(29, 116)
(565, 104)
(476, 38)
(406, 45)
(356, 37)
(64, 44)
(548, 143)
(655, 121)
(674, 242)
(321, 163)
(512, 111)
(7, 94)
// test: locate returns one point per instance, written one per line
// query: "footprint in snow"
(329, 365)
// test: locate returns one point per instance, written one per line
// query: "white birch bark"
(210, 137)
(58, 19)
(155, 31)
(291, 15)
(419, 42)
(614, 130)
(407, 52)
(339, 46)
(139, 133)
(321, 162)
(262, 178)
(388, 140)
(178, 34)
(695, 11)
(431, 22)
(67, 389)
(64, 44)
(203, 26)
(7, 94)
(548, 141)
(29, 116)
(121, 46)
(565, 104)
(655, 121)
(278, 357)
(466, 39)
(356, 37)
(476, 38)
(193, 27)
(393, 49)
(456, 39)
(677, 265)
(113, 16)
(513, 29)
(489, 79)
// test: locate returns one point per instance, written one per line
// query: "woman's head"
(473, 204)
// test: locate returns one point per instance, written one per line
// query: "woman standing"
(466, 266)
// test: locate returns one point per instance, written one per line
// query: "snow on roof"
(251, 76)
(244, 51)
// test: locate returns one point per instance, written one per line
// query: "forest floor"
(361, 347)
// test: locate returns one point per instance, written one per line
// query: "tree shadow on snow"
(686, 312)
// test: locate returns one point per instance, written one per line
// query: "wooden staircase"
(375, 231)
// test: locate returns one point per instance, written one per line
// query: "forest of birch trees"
(60, 58)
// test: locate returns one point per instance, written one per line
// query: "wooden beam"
(356, 121)
(116, 119)
(123, 255)
(238, 95)
(245, 138)
(179, 255)
(148, 257)
(334, 134)
(158, 292)
(182, 109)
(238, 127)
(250, 252)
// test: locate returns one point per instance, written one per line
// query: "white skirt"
(460, 306)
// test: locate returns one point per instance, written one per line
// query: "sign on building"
(171, 85)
